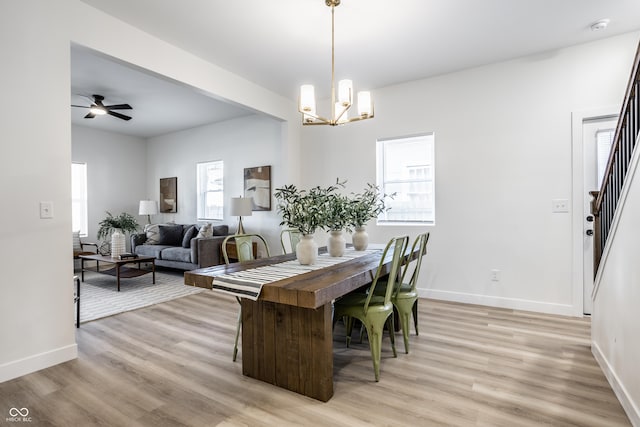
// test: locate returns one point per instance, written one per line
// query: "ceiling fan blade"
(80, 106)
(118, 107)
(118, 115)
(89, 116)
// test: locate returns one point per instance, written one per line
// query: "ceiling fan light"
(97, 111)
(365, 107)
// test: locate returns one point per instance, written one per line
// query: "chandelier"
(340, 102)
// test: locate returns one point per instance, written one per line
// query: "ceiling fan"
(97, 108)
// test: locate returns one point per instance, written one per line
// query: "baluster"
(633, 107)
(636, 109)
(618, 173)
(597, 234)
(627, 150)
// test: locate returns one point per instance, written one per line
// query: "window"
(406, 166)
(79, 219)
(210, 196)
(604, 140)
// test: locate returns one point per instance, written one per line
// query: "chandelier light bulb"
(342, 113)
(345, 89)
(365, 107)
(307, 99)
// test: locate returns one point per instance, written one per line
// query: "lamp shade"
(307, 99)
(241, 206)
(148, 207)
(345, 88)
(364, 104)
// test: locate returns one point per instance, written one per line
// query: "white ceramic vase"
(307, 250)
(360, 239)
(337, 243)
(118, 243)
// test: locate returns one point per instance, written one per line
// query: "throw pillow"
(188, 235)
(76, 241)
(205, 231)
(220, 230)
(153, 234)
(170, 235)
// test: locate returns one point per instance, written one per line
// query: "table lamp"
(241, 206)
(148, 208)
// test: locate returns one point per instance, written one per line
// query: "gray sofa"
(176, 245)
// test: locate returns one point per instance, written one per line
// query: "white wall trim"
(17, 368)
(577, 174)
(631, 173)
(495, 301)
(633, 412)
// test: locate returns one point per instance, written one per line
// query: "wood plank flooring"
(170, 365)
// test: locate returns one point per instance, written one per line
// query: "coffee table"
(122, 268)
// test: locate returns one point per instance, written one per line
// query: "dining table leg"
(289, 346)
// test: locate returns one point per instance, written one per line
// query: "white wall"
(241, 143)
(116, 173)
(36, 305)
(503, 152)
(36, 296)
(615, 322)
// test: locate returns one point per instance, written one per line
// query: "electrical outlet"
(495, 275)
(560, 205)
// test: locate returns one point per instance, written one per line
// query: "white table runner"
(248, 283)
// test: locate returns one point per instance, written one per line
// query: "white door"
(597, 134)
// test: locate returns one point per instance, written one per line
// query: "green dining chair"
(374, 311)
(405, 295)
(290, 236)
(244, 249)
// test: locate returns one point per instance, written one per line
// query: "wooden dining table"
(287, 337)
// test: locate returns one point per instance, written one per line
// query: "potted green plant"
(115, 226)
(363, 207)
(337, 219)
(306, 211)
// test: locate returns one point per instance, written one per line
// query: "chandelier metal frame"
(306, 99)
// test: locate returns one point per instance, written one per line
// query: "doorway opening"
(592, 135)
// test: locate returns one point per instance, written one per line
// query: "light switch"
(560, 205)
(46, 210)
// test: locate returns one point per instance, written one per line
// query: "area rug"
(99, 296)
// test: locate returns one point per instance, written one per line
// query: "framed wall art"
(257, 184)
(169, 195)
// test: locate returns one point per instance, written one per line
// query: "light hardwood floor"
(170, 365)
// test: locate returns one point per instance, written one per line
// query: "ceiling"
(159, 106)
(281, 45)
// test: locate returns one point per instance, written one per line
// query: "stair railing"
(605, 201)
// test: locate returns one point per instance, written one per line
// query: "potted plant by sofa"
(362, 208)
(306, 211)
(116, 227)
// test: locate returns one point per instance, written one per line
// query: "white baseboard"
(618, 388)
(502, 302)
(18, 368)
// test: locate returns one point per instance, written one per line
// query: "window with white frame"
(210, 190)
(79, 220)
(604, 141)
(406, 167)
